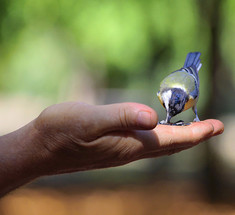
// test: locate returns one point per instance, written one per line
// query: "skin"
(74, 136)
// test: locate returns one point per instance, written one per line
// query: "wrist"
(21, 157)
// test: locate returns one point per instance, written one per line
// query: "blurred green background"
(108, 51)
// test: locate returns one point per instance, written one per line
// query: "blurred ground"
(160, 198)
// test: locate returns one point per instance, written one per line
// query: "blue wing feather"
(193, 60)
(193, 64)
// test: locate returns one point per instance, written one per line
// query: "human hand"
(76, 136)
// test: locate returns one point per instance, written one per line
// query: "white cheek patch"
(166, 96)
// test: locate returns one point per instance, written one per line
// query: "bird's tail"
(193, 60)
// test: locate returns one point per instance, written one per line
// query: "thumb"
(124, 116)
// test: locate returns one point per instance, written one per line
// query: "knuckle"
(123, 117)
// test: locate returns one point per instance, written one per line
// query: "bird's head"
(173, 100)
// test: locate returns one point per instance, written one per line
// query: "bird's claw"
(181, 123)
(196, 120)
(178, 123)
(164, 122)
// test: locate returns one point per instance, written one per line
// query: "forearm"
(19, 158)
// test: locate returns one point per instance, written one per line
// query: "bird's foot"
(196, 119)
(181, 123)
(164, 122)
(178, 123)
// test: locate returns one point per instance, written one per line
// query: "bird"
(179, 91)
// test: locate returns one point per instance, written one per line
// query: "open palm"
(79, 136)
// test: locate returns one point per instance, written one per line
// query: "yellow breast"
(160, 98)
(190, 103)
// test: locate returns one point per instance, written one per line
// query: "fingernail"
(218, 132)
(144, 118)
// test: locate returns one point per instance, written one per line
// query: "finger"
(218, 126)
(166, 140)
(124, 116)
(179, 136)
(192, 134)
(166, 151)
(163, 140)
(173, 139)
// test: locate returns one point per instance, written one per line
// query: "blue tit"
(179, 91)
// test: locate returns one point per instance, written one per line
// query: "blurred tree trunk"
(213, 19)
(219, 101)
(3, 9)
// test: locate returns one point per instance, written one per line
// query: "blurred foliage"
(125, 44)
